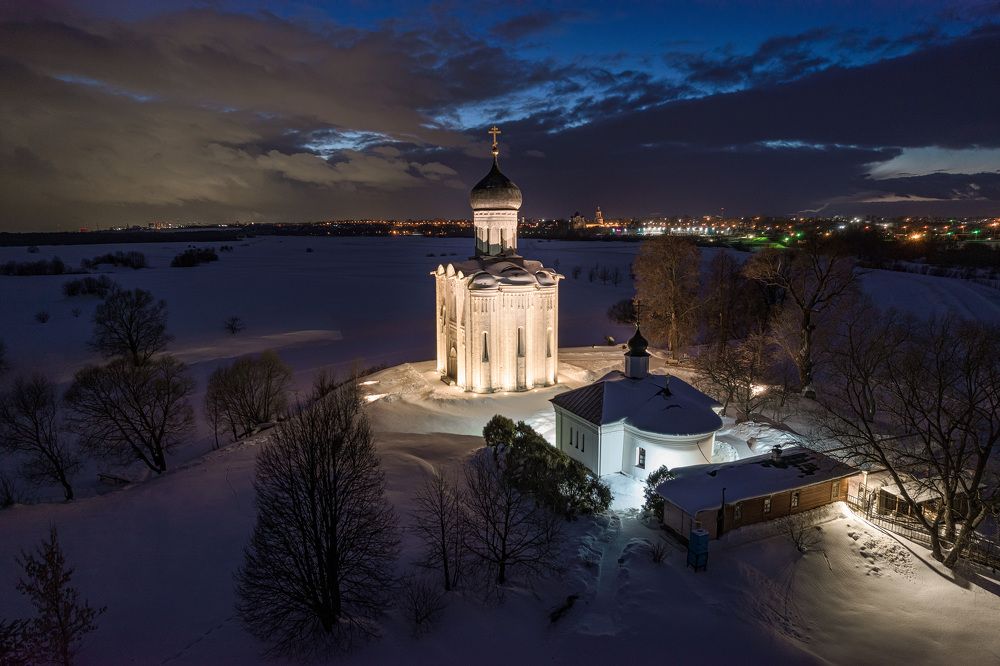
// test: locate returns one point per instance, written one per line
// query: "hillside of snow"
(161, 553)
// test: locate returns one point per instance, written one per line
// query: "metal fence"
(980, 549)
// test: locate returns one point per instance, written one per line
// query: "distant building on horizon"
(497, 314)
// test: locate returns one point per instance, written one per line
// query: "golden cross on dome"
(496, 147)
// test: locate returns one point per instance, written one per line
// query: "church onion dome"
(637, 344)
(495, 192)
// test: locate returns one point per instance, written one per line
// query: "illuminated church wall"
(497, 313)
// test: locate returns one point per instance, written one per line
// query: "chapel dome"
(637, 344)
(495, 192)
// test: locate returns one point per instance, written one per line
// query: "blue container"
(697, 557)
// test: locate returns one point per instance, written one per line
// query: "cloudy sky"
(123, 112)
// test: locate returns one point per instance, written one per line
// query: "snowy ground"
(161, 554)
(350, 303)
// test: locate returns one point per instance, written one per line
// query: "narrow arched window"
(520, 341)
(486, 347)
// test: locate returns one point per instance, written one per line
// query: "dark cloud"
(939, 186)
(204, 115)
(522, 25)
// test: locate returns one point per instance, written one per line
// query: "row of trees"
(321, 562)
(135, 407)
(778, 300)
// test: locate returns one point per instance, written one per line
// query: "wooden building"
(728, 496)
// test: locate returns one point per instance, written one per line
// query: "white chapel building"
(633, 422)
(497, 314)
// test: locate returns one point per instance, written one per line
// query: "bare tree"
(809, 282)
(921, 400)
(437, 520)
(733, 306)
(667, 277)
(234, 325)
(803, 533)
(10, 494)
(424, 603)
(318, 568)
(131, 324)
(62, 619)
(29, 424)
(129, 412)
(616, 276)
(505, 530)
(736, 374)
(251, 391)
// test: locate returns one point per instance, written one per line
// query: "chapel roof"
(658, 404)
(488, 272)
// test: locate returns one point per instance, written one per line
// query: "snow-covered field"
(349, 303)
(160, 554)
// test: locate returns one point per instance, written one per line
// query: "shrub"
(654, 502)
(131, 259)
(89, 286)
(658, 551)
(623, 312)
(33, 249)
(193, 257)
(41, 316)
(43, 267)
(550, 476)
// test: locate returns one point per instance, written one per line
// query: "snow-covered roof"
(491, 272)
(700, 487)
(659, 404)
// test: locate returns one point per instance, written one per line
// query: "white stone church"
(497, 313)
